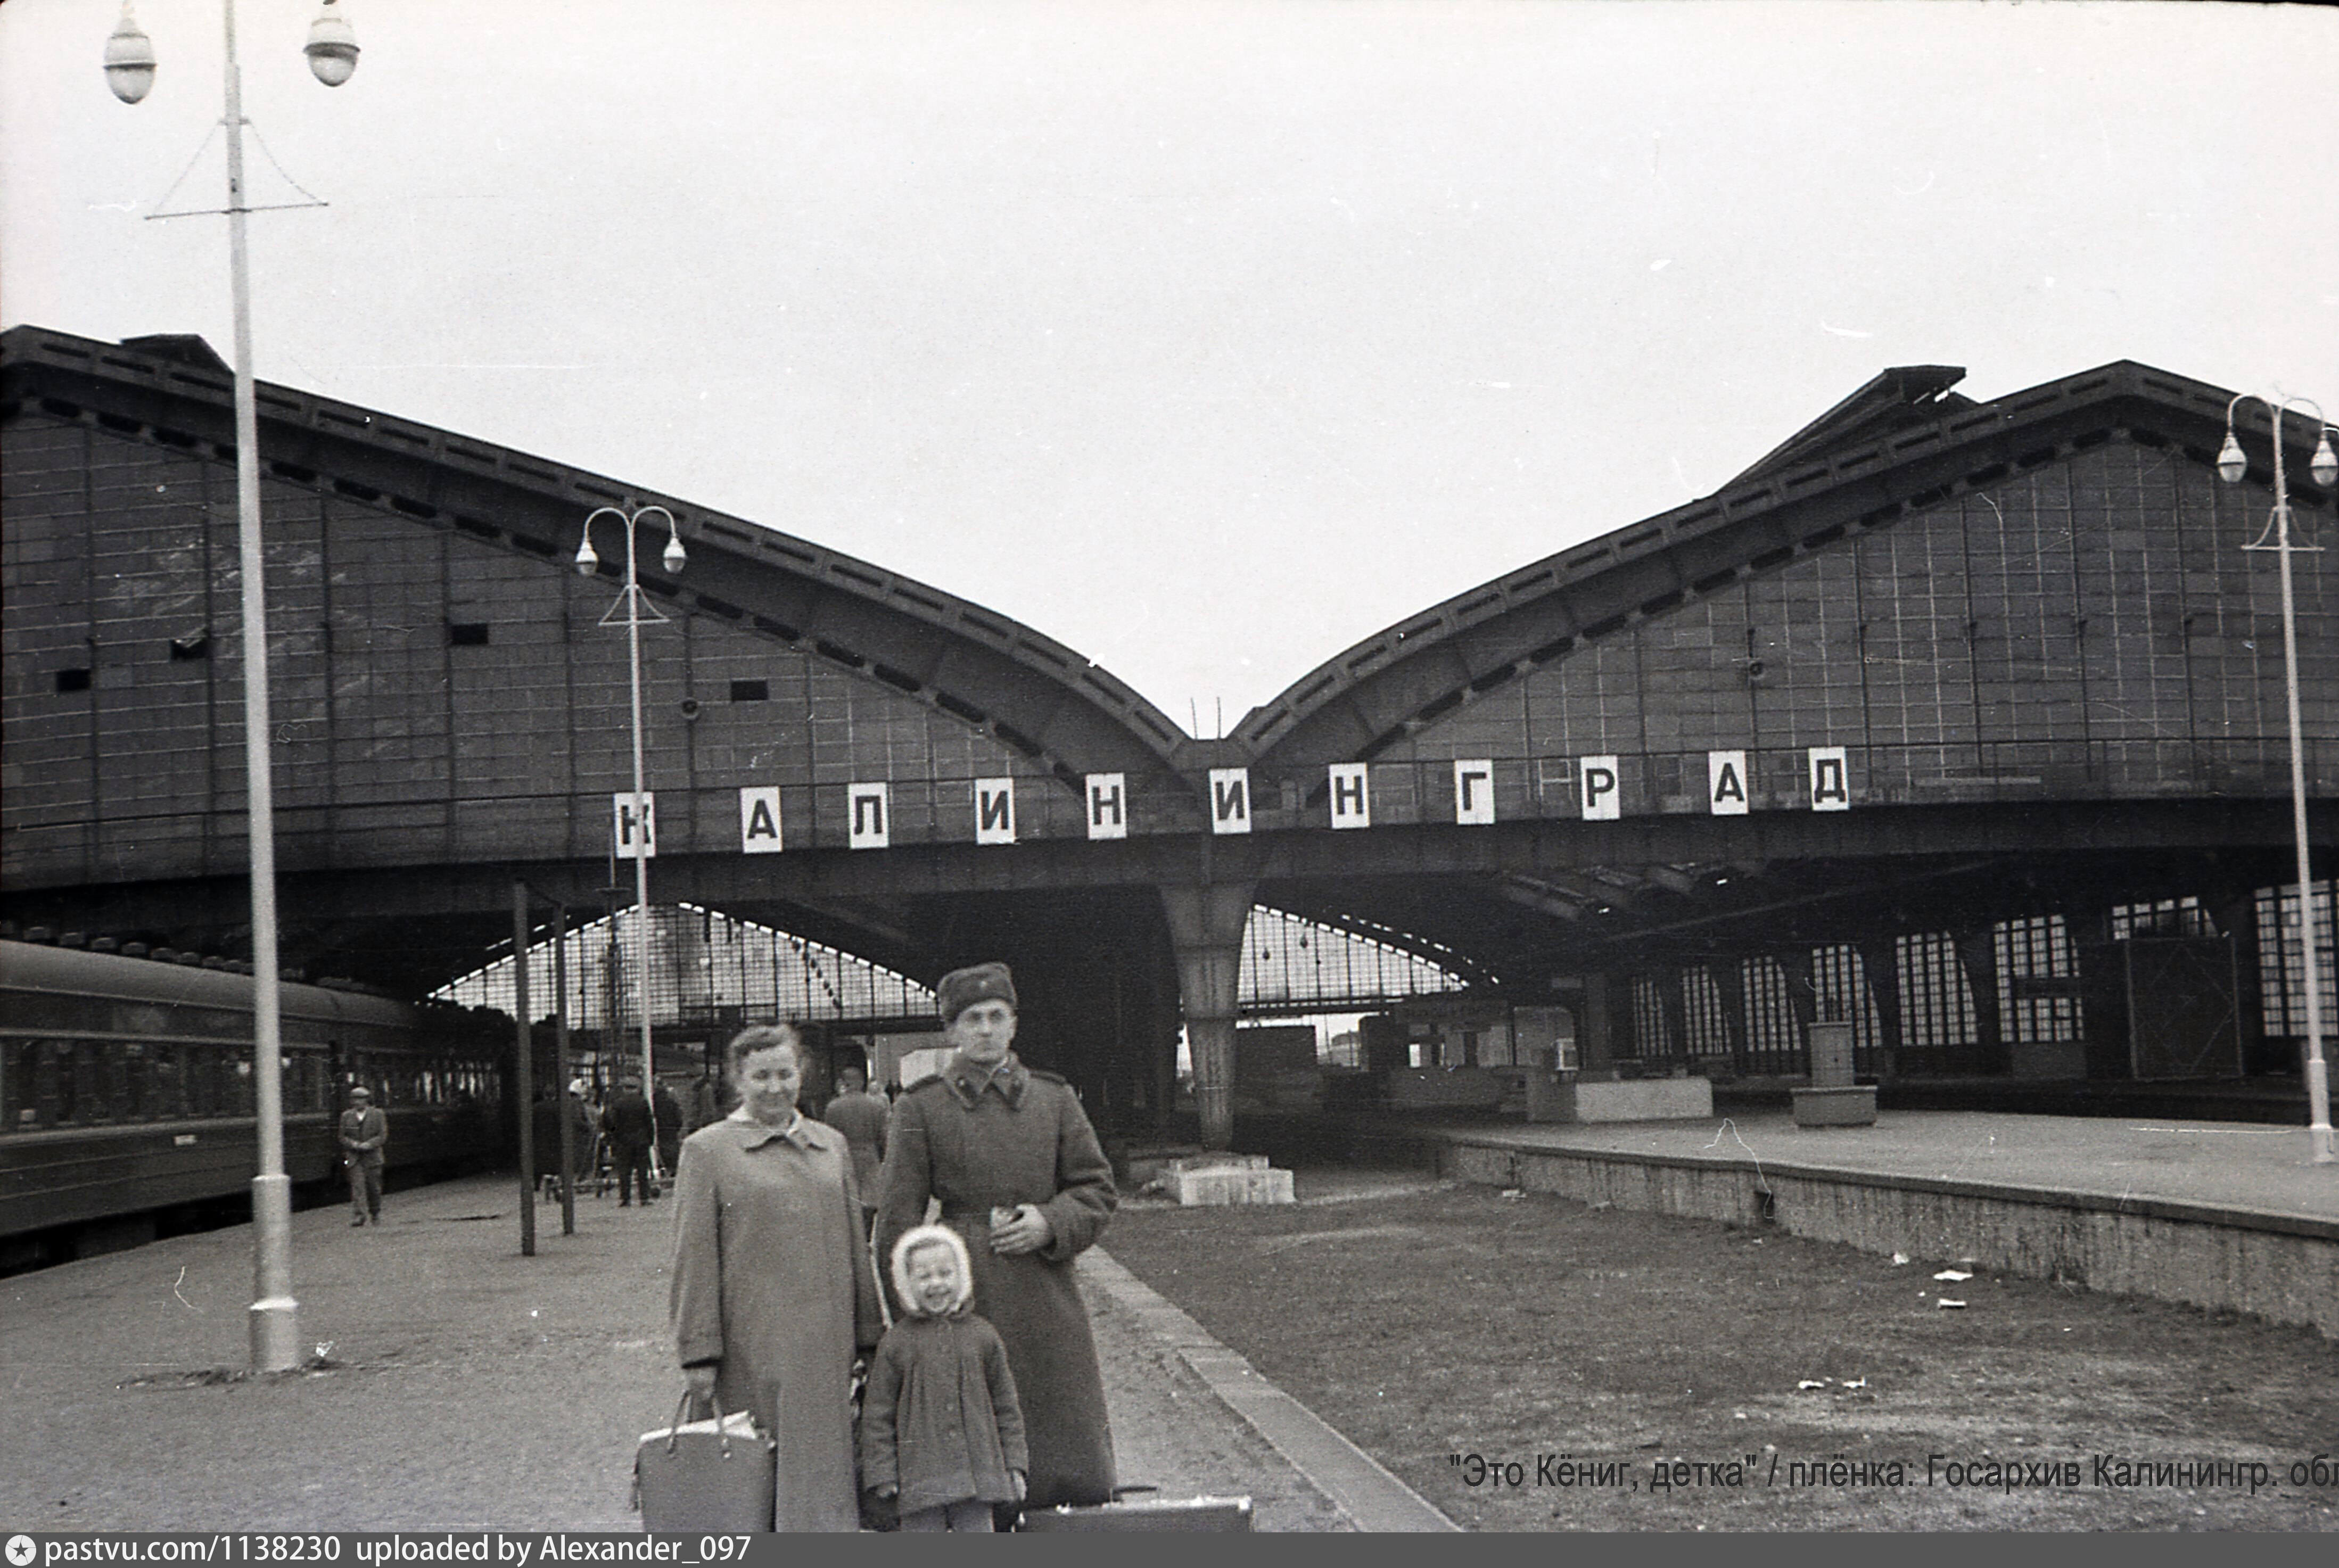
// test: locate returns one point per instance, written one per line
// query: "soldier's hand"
(1028, 1232)
(700, 1382)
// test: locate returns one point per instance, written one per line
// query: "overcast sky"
(1207, 338)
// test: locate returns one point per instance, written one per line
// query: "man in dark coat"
(1011, 1157)
(363, 1131)
(669, 1129)
(626, 1120)
(860, 1116)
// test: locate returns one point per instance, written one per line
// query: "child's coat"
(940, 1419)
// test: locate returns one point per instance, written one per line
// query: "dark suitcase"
(1146, 1513)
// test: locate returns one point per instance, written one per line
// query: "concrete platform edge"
(2227, 1215)
(1374, 1500)
(2276, 1267)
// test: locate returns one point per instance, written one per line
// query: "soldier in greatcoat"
(1021, 1176)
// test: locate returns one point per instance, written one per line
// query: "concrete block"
(1853, 1107)
(1443, 1088)
(1636, 1100)
(1200, 1183)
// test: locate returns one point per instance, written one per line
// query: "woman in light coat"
(772, 1295)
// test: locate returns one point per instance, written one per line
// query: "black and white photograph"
(1246, 767)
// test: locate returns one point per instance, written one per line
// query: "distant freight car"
(126, 1099)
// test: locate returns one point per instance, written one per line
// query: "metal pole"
(524, 1072)
(560, 1058)
(641, 833)
(275, 1315)
(2318, 1083)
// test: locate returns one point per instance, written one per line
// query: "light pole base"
(276, 1335)
(2318, 1108)
(275, 1316)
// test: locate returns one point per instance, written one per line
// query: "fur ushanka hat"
(930, 1236)
(962, 988)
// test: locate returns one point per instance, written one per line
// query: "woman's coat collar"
(803, 1132)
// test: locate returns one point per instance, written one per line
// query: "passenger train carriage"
(127, 1096)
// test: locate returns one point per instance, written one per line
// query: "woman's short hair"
(763, 1037)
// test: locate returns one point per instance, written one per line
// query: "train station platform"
(459, 1385)
(2222, 1215)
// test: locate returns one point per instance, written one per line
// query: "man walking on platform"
(626, 1120)
(364, 1130)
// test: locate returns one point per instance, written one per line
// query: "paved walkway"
(2247, 1167)
(465, 1386)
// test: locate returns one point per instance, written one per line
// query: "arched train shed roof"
(992, 673)
(1902, 443)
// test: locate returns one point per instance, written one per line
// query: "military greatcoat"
(772, 1281)
(979, 1141)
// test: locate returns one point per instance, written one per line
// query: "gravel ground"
(1434, 1325)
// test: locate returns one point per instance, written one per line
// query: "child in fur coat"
(941, 1434)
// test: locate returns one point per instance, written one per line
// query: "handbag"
(713, 1476)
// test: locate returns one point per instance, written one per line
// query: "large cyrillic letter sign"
(1603, 801)
(634, 843)
(869, 828)
(759, 820)
(1352, 801)
(1108, 796)
(1230, 799)
(1831, 789)
(1473, 793)
(994, 810)
(1725, 782)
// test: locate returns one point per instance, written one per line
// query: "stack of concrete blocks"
(1217, 1179)
(1833, 1099)
(1549, 1099)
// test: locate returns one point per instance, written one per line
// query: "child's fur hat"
(930, 1236)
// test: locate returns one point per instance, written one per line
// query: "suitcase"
(1145, 1514)
(716, 1475)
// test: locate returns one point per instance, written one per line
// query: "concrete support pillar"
(1730, 980)
(1596, 1040)
(2236, 910)
(1675, 1045)
(1206, 930)
(1880, 967)
(1607, 1023)
(1978, 957)
(1803, 989)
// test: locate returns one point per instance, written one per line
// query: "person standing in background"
(364, 1130)
(669, 1129)
(626, 1120)
(860, 1116)
(706, 1101)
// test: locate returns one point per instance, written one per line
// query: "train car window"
(114, 1065)
(137, 1090)
(240, 1085)
(44, 1081)
(202, 1080)
(64, 1097)
(20, 1107)
(166, 1083)
(80, 1064)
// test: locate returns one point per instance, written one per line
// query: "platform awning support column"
(1206, 931)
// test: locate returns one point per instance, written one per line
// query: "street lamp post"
(630, 607)
(130, 67)
(2324, 465)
